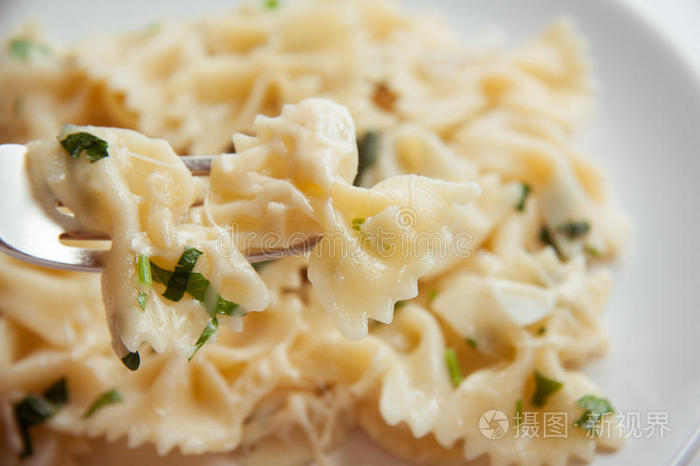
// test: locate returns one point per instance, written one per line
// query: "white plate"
(647, 135)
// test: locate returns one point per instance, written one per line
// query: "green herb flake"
(432, 295)
(177, 285)
(367, 150)
(544, 388)
(57, 393)
(22, 49)
(399, 304)
(132, 361)
(271, 4)
(107, 398)
(453, 366)
(595, 409)
(356, 222)
(525, 191)
(574, 230)
(142, 299)
(208, 331)
(33, 410)
(199, 288)
(546, 238)
(259, 265)
(144, 270)
(518, 412)
(94, 147)
(159, 274)
(471, 342)
(592, 250)
(541, 330)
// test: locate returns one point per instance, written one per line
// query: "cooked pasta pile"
(461, 265)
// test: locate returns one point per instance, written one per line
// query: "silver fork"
(32, 233)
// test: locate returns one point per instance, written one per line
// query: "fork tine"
(29, 231)
(31, 226)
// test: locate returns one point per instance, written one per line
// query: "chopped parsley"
(356, 222)
(107, 398)
(526, 189)
(432, 295)
(595, 409)
(367, 149)
(471, 342)
(177, 284)
(271, 4)
(518, 412)
(400, 304)
(22, 49)
(574, 230)
(453, 366)
(142, 299)
(541, 330)
(132, 361)
(259, 265)
(33, 410)
(200, 288)
(544, 388)
(546, 238)
(208, 331)
(94, 147)
(144, 270)
(592, 250)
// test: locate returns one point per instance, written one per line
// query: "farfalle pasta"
(459, 267)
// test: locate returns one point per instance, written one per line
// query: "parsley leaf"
(453, 366)
(526, 189)
(160, 275)
(271, 4)
(33, 410)
(94, 147)
(22, 49)
(546, 238)
(199, 288)
(592, 250)
(471, 342)
(541, 330)
(177, 285)
(367, 149)
(595, 409)
(518, 412)
(400, 304)
(58, 392)
(132, 361)
(142, 299)
(208, 331)
(574, 230)
(544, 387)
(103, 400)
(144, 269)
(432, 295)
(356, 222)
(259, 265)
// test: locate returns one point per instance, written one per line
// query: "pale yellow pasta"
(514, 282)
